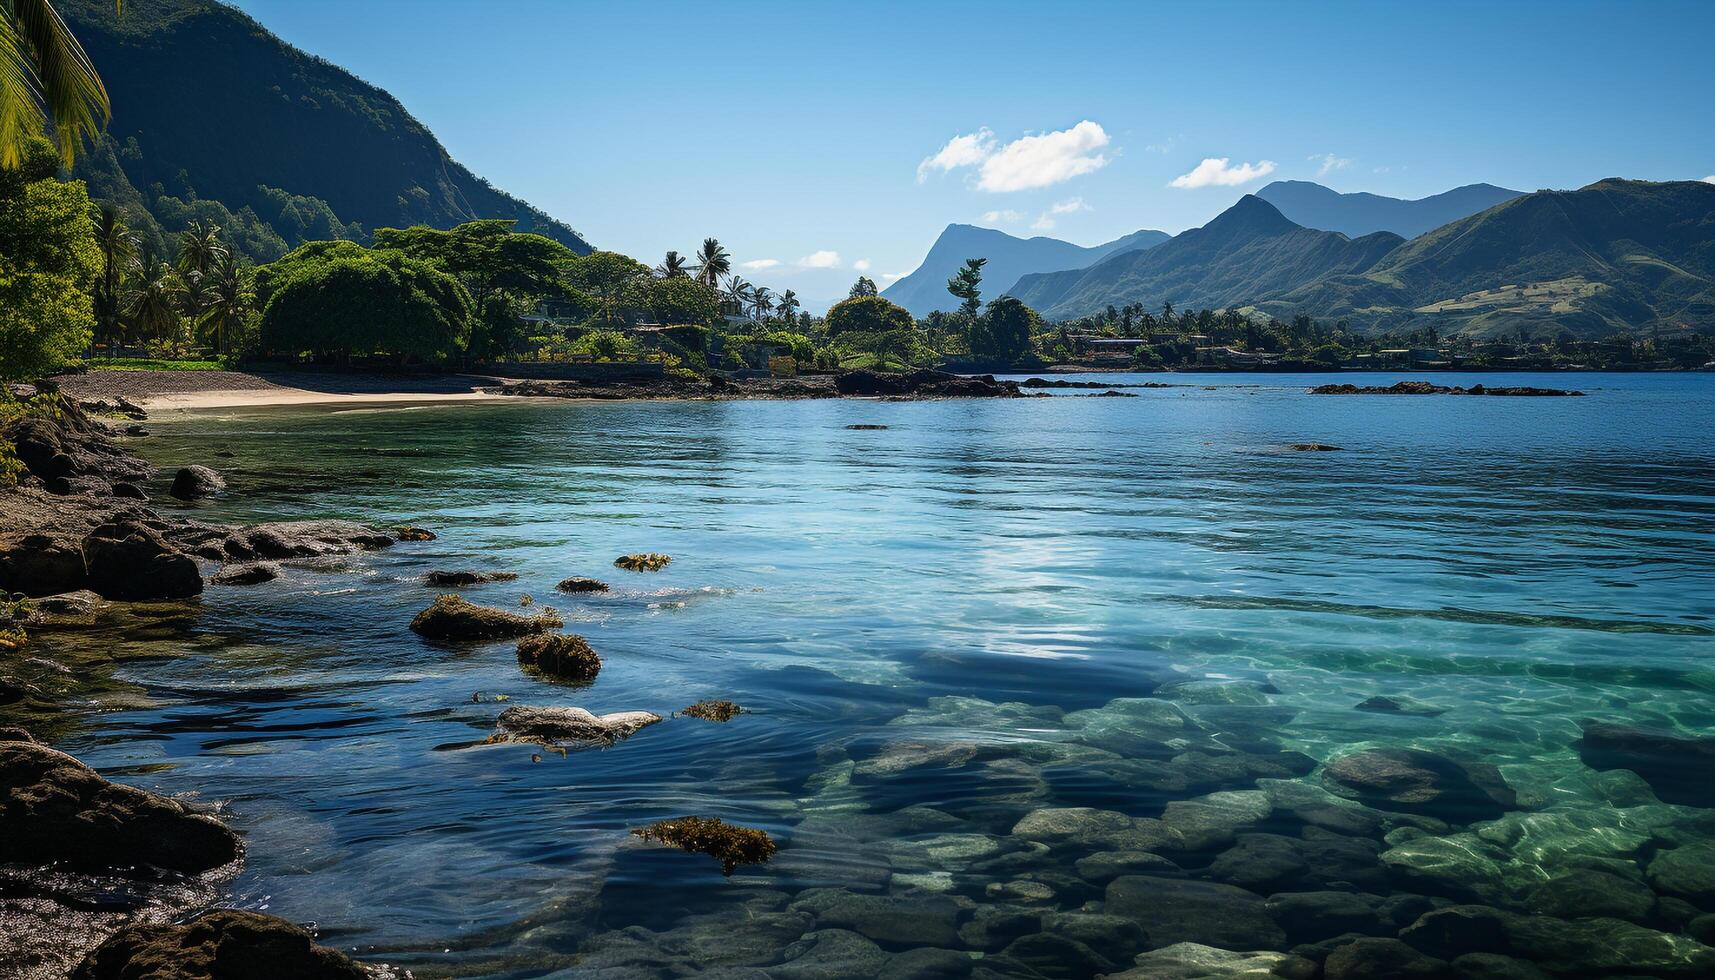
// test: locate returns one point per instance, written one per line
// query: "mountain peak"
(1251, 215)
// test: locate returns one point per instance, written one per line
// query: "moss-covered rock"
(226, 943)
(578, 583)
(713, 710)
(649, 562)
(453, 580)
(566, 656)
(450, 617)
(731, 845)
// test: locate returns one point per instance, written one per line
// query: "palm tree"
(152, 302)
(788, 306)
(118, 247)
(45, 78)
(713, 262)
(200, 248)
(226, 299)
(761, 303)
(673, 266)
(738, 292)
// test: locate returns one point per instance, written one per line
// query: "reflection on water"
(1050, 680)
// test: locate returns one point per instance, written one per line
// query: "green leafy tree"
(866, 314)
(381, 303)
(967, 286)
(1002, 334)
(607, 277)
(675, 300)
(865, 286)
(48, 265)
(47, 83)
(713, 262)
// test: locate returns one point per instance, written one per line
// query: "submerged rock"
(714, 710)
(1687, 871)
(1377, 958)
(454, 580)
(577, 584)
(1172, 911)
(196, 482)
(649, 562)
(563, 655)
(1193, 961)
(1313, 447)
(573, 724)
(248, 573)
(1415, 781)
(1677, 768)
(731, 845)
(450, 617)
(408, 533)
(226, 944)
(53, 808)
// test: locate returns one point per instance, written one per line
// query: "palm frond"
(65, 83)
(20, 111)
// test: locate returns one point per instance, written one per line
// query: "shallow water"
(1508, 566)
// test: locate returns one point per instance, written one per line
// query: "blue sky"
(798, 133)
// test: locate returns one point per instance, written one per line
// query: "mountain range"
(215, 117)
(1355, 215)
(1009, 258)
(1616, 256)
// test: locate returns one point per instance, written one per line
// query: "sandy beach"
(179, 390)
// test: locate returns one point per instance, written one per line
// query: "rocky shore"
(1425, 388)
(94, 873)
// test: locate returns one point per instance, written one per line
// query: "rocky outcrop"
(573, 724)
(247, 573)
(649, 562)
(578, 583)
(55, 809)
(127, 559)
(196, 482)
(458, 580)
(1425, 388)
(452, 618)
(924, 384)
(713, 711)
(226, 944)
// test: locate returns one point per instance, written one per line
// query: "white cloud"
(1215, 172)
(1709, 179)
(891, 276)
(1045, 159)
(861, 265)
(1167, 145)
(1382, 170)
(824, 259)
(1329, 162)
(1068, 206)
(1043, 222)
(960, 151)
(1041, 160)
(1005, 216)
(759, 264)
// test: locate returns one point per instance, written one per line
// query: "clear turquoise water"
(1519, 564)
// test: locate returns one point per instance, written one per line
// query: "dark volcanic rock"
(1425, 388)
(1313, 916)
(453, 580)
(41, 564)
(577, 584)
(248, 573)
(563, 655)
(1676, 767)
(1172, 911)
(226, 944)
(54, 808)
(130, 491)
(450, 617)
(129, 560)
(924, 384)
(196, 482)
(1415, 781)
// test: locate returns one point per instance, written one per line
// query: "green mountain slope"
(1248, 253)
(1616, 256)
(213, 116)
(1009, 258)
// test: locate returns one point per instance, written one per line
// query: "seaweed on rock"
(730, 844)
(566, 656)
(450, 617)
(714, 710)
(649, 562)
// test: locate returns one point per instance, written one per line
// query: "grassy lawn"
(150, 364)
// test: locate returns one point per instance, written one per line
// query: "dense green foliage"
(1002, 334)
(222, 121)
(674, 300)
(379, 303)
(867, 314)
(48, 266)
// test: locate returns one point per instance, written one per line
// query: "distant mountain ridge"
(1009, 258)
(1248, 251)
(214, 116)
(1356, 215)
(1616, 256)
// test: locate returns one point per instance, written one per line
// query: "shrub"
(867, 314)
